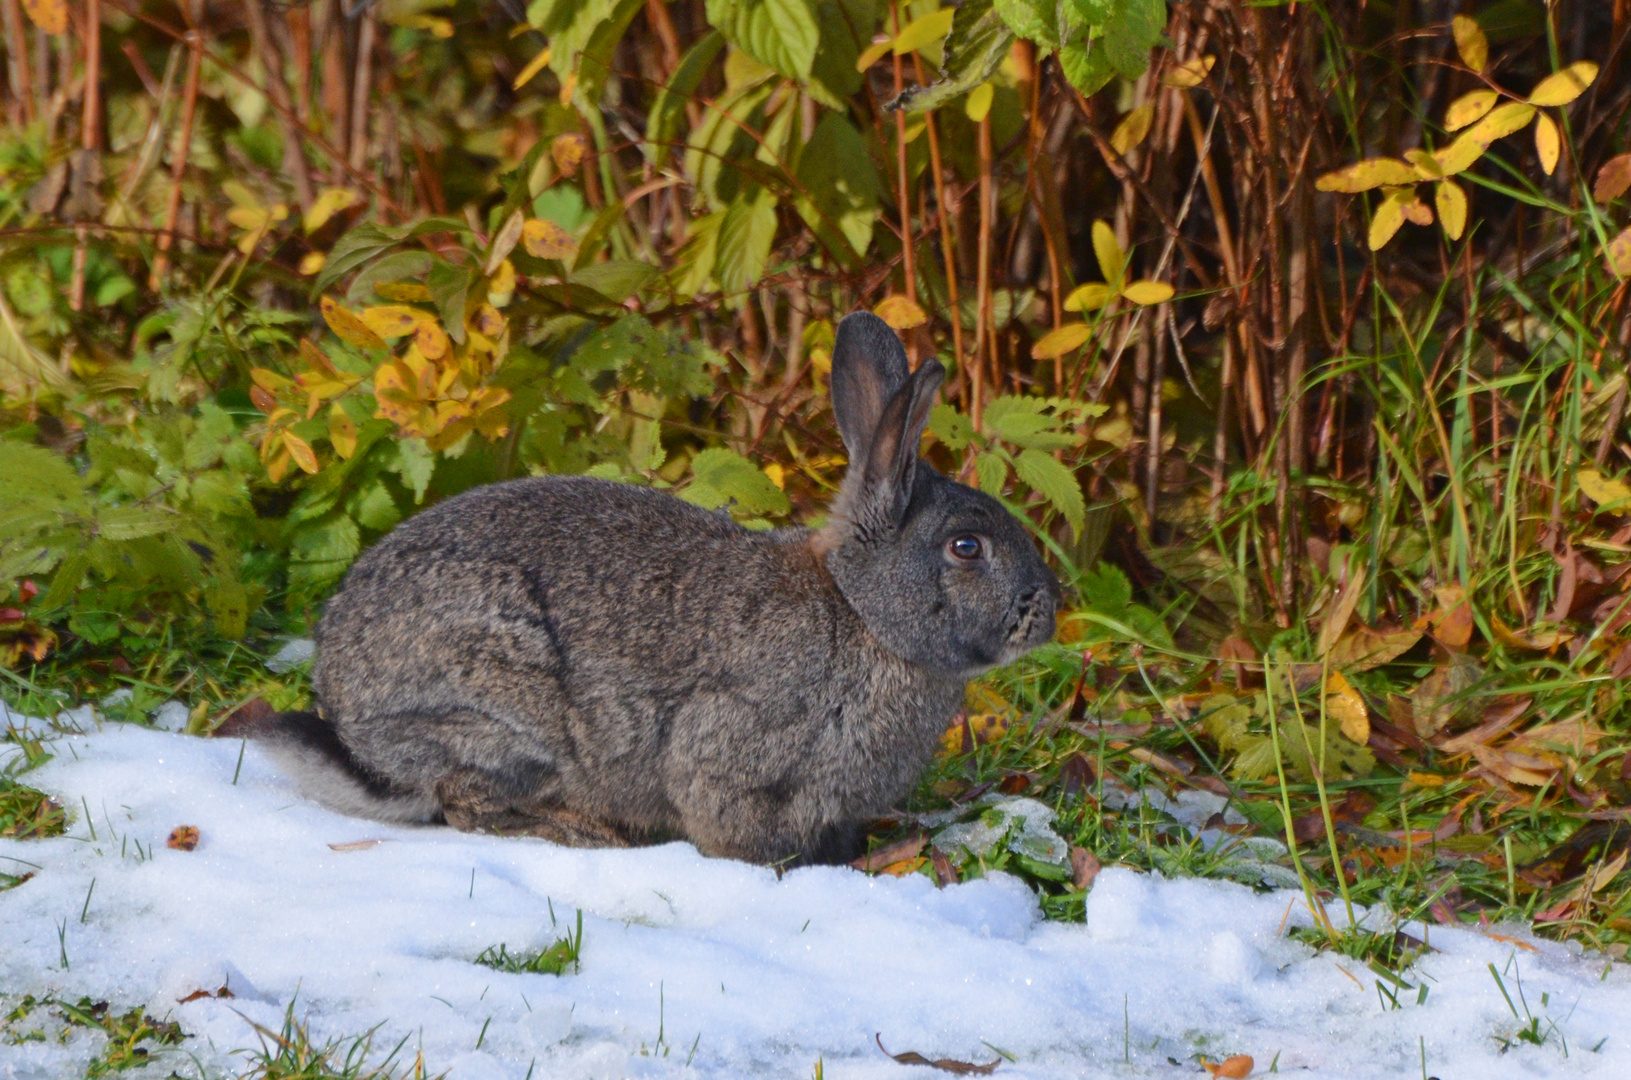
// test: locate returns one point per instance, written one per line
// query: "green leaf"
(582, 35)
(320, 553)
(1086, 65)
(780, 34)
(844, 191)
(412, 460)
(598, 233)
(722, 477)
(361, 244)
(846, 30)
(951, 427)
(991, 472)
(1052, 480)
(975, 49)
(1105, 589)
(668, 107)
(617, 279)
(399, 266)
(450, 291)
(1131, 34)
(229, 605)
(745, 237)
(693, 267)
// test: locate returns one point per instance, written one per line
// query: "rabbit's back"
(614, 650)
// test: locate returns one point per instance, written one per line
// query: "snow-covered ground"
(701, 967)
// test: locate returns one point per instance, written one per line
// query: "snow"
(739, 972)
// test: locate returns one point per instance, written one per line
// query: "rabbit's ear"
(890, 465)
(868, 367)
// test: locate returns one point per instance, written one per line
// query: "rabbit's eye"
(965, 548)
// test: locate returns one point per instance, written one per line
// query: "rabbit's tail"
(306, 747)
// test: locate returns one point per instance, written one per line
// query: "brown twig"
(178, 161)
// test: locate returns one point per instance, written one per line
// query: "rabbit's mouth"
(1032, 625)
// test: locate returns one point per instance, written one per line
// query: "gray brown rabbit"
(603, 664)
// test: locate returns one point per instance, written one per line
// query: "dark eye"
(966, 548)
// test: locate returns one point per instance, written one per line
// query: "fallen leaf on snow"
(183, 838)
(356, 845)
(1235, 1068)
(962, 1068)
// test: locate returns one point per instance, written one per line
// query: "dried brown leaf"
(961, 1068)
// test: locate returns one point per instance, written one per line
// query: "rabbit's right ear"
(869, 367)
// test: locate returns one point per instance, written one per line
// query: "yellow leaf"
(1059, 341)
(569, 87)
(1145, 293)
(251, 218)
(1459, 156)
(1368, 174)
(777, 474)
(301, 451)
(1619, 254)
(1513, 116)
(342, 433)
(568, 151)
(431, 340)
(396, 402)
(347, 327)
(1189, 73)
(49, 15)
(1470, 42)
(1089, 297)
(1424, 779)
(1112, 262)
(501, 286)
(1344, 705)
(311, 262)
(900, 313)
(925, 31)
(978, 104)
(534, 66)
(240, 195)
(1548, 143)
(1427, 166)
(872, 54)
(1389, 216)
(547, 240)
(1362, 648)
(1534, 639)
(1469, 108)
(410, 291)
(393, 320)
(1342, 608)
(1452, 208)
(1601, 490)
(269, 380)
(1133, 128)
(328, 203)
(1564, 86)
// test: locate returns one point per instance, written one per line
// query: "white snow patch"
(760, 975)
(295, 651)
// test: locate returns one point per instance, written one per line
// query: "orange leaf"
(49, 15)
(568, 151)
(183, 838)
(1234, 1068)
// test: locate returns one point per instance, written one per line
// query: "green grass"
(564, 953)
(291, 1054)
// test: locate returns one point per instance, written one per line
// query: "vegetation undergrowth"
(565, 952)
(1297, 334)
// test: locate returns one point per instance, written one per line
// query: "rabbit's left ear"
(890, 464)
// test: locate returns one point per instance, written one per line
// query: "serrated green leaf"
(979, 41)
(1131, 33)
(951, 427)
(780, 34)
(991, 472)
(1048, 477)
(723, 477)
(745, 238)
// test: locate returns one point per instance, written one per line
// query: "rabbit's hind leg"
(470, 803)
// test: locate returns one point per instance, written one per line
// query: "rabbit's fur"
(601, 663)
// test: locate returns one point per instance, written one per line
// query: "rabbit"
(602, 664)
